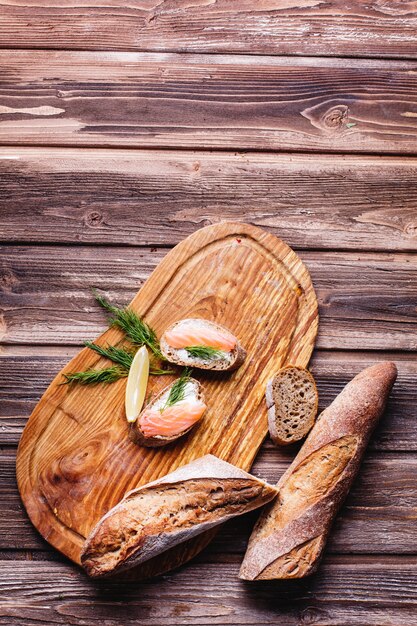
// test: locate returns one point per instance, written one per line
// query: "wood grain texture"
(383, 502)
(75, 460)
(25, 372)
(155, 197)
(239, 103)
(348, 590)
(367, 301)
(303, 27)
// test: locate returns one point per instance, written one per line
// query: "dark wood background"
(125, 126)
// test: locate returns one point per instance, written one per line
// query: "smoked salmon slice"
(171, 420)
(192, 333)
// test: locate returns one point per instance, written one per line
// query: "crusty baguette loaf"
(289, 537)
(292, 401)
(138, 436)
(168, 511)
(180, 357)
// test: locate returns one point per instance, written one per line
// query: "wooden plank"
(26, 371)
(367, 301)
(378, 517)
(347, 590)
(159, 100)
(159, 197)
(306, 27)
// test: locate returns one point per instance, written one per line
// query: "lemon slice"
(137, 382)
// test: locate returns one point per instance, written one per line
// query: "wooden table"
(124, 127)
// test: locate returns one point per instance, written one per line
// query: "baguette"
(289, 537)
(196, 333)
(168, 511)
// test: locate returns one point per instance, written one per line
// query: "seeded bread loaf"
(166, 512)
(289, 538)
(292, 401)
(230, 360)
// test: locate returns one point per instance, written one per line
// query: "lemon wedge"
(137, 382)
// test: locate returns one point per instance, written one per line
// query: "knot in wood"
(8, 280)
(335, 117)
(94, 219)
(312, 615)
(411, 229)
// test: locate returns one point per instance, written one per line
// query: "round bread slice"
(226, 361)
(292, 400)
(138, 436)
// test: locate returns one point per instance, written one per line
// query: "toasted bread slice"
(292, 400)
(158, 426)
(192, 337)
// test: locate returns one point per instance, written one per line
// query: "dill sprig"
(135, 328)
(157, 371)
(177, 391)
(139, 333)
(124, 357)
(121, 356)
(92, 376)
(205, 352)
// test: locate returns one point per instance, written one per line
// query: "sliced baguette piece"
(168, 511)
(137, 434)
(225, 361)
(292, 400)
(289, 537)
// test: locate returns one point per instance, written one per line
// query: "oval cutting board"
(75, 460)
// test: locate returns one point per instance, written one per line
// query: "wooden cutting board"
(75, 460)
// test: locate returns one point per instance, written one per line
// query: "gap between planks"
(302, 151)
(216, 55)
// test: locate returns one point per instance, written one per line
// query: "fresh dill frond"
(205, 352)
(92, 376)
(138, 331)
(156, 371)
(121, 356)
(135, 328)
(177, 391)
(104, 302)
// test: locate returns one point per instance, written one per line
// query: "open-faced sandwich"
(202, 344)
(171, 414)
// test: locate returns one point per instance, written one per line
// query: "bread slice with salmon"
(170, 510)
(202, 344)
(171, 414)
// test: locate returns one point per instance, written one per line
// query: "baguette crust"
(137, 436)
(238, 354)
(153, 518)
(289, 537)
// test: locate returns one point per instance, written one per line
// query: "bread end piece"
(292, 401)
(301, 561)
